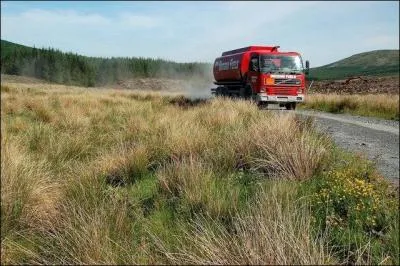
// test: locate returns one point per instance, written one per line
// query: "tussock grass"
(117, 177)
(29, 196)
(375, 105)
(273, 230)
(285, 148)
(197, 184)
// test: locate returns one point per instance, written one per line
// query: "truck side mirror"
(307, 67)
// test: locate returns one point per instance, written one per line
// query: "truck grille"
(290, 82)
(282, 91)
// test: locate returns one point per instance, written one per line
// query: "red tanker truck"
(263, 74)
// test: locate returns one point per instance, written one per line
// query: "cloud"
(138, 21)
(200, 31)
(87, 33)
(238, 24)
(76, 20)
(382, 41)
(59, 17)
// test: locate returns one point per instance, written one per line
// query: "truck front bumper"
(263, 97)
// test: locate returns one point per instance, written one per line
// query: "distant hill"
(373, 63)
(8, 47)
(72, 69)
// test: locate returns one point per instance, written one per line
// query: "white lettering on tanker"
(232, 64)
(283, 76)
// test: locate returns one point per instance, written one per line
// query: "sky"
(322, 32)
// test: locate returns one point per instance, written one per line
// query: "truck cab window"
(254, 64)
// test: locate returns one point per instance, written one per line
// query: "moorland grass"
(117, 177)
(384, 106)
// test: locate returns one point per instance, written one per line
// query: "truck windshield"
(281, 64)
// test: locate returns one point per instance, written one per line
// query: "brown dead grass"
(375, 105)
(71, 158)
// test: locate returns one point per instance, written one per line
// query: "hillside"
(373, 63)
(72, 69)
(8, 47)
(369, 59)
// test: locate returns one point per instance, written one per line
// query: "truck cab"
(276, 78)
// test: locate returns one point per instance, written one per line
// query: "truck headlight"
(269, 81)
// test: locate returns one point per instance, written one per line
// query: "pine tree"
(71, 68)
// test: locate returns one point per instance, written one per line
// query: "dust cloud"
(198, 89)
(194, 86)
(198, 85)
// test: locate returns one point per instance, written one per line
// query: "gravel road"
(377, 139)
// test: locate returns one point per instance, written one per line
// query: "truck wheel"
(218, 92)
(245, 92)
(221, 91)
(248, 92)
(290, 106)
(262, 105)
(225, 92)
(242, 93)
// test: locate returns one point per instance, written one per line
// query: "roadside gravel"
(376, 139)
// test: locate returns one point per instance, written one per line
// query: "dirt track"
(377, 139)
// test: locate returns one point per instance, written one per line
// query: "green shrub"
(358, 210)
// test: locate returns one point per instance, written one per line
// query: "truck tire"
(290, 106)
(262, 105)
(245, 92)
(248, 92)
(242, 93)
(220, 91)
(225, 92)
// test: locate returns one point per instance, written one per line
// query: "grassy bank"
(378, 105)
(118, 177)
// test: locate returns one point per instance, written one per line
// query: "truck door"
(253, 74)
